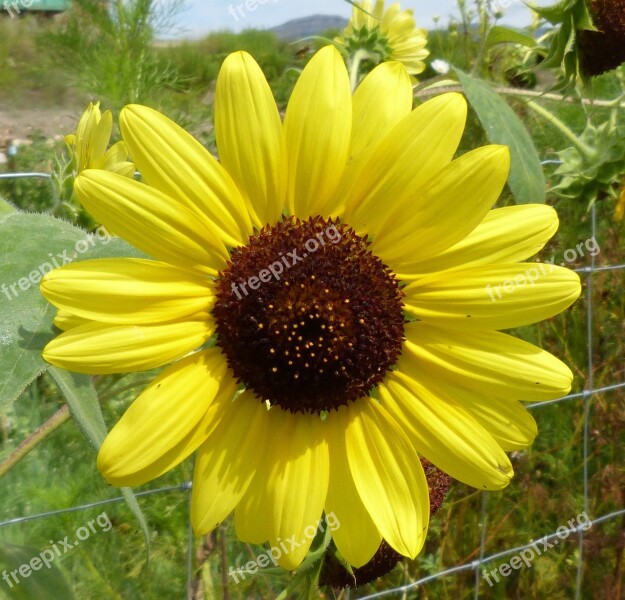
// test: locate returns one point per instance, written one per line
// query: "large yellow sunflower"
(355, 280)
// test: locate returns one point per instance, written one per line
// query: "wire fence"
(586, 396)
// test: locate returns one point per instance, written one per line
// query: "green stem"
(485, 30)
(519, 93)
(35, 438)
(562, 128)
(355, 68)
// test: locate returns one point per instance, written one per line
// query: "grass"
(546, 492)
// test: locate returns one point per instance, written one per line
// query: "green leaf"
(507, 35)
(304, 584)
(131, 501)
(43, 584)
(502, 126)
(82, 400)
(555, 13)
(31, 245)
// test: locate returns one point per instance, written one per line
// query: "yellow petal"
(445, 434)
(115, 154)
(619, 210)
(65, 320)
(357, 537)
(508, 422)
(291, 487)
(175, 163)
(168, 421)
(127, 291)
(493, 296)
(444, 211)
(411, 153)
(100, 349)
(84, 135)
(317, 127)
(506, 235)
(250, 138)
(150, 221)
(388, 476)
(298, 486)
(488, 362)
(100, 138)
(257, 500)
(382, 100)
(125, 168)
(227, 462)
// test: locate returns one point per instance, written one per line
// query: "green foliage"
(61, 473)
(507, 35)
(49, 584)
(26, 67)
(502, 126)
(30, 245)
(572, 16)
(110, 45)
(82, 398)
(593, 169)
(197, 63)
(31, 194)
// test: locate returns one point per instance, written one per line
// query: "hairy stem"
(562, 128)
(35, 438)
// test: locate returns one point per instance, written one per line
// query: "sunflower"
(88, 146)
(385, 35)
(328, 297)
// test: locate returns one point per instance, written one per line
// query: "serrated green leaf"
(41, 584)
(82, 400)
(305, 582)
(30, 245)
(507, 35)
(555, 13)
(502, 126)
(581, 15)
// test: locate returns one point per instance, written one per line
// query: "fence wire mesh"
(586, 396)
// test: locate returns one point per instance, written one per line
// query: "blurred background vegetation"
(89, 54)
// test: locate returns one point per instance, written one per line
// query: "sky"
(203, 16)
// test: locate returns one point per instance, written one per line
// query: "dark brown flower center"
(307, 317)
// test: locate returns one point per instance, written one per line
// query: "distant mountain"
(313, 25)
